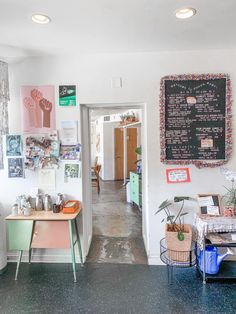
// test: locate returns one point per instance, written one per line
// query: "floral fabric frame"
(228, 120)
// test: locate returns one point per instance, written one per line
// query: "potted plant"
(230, 196)
(230, 201)
(178, 234)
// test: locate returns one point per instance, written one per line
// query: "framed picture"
(177, 175)
(13, 145)
(15, 168)
(209, 204)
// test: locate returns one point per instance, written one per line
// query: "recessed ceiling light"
(185, 13)
(41, 18)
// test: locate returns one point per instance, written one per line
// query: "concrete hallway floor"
(117, 227)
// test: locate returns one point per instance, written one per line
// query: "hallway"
(117, 227)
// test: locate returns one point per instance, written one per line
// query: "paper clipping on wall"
(13, 145)
(69, 133)
(38, 104)
(15, 168)
(71, 172)
(47, 179)
(178, 175)
(70, 152)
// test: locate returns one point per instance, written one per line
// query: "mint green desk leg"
(78, 242)
(30, 254)
(18, 264)
(72, 248)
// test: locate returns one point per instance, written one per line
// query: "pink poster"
(38, 105)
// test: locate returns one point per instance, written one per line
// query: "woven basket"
(179, 250)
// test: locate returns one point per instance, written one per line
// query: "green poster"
(67, 95)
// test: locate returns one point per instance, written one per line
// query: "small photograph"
(13, 145)
(15, 168)
(55, 149)
(71, 152)
(71, 172)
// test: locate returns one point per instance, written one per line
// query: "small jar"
(14, 210)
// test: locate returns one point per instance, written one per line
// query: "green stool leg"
(78, 242)
(18, 264)
(72, 249)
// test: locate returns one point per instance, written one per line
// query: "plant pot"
(179, 251)
(229, 211)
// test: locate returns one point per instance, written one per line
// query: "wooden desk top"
(45, 215)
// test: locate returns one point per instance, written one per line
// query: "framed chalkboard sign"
(195, 119)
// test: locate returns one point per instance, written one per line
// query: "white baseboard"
(3, 260)
(154, 260)
(41, 258)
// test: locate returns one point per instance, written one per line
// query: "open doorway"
(117, 219)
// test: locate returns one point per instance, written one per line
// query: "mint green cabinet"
(135, 188)
(19, 234)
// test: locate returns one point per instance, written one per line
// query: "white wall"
(141, 74)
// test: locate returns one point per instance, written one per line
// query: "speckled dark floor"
(117, 227)
(111, 289)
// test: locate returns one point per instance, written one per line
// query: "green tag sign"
(67, 95)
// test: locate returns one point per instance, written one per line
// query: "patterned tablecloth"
(209, 224)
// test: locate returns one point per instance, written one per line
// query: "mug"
(56, 208)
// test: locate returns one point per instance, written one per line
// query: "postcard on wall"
(38, 103)
(178, 175)
(71, 172)
(69, 132)
(13, 145)
(15, 168)
(67, 95)
(47, 179)
(72, 152)
(55, 149)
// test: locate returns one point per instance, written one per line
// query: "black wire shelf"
(178, 258)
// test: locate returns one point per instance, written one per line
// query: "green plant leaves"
(169, 218)
(138, 150)
(163, 205)
(178, 199)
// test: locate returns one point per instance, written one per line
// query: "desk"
(44, 229)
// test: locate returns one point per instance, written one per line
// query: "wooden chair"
(96, 178)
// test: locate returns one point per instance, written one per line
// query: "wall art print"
(15, 168)
(38, 103)
(67, 95)
(13, 145)
(196, 119)
(71, 172)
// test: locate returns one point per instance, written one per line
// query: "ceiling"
(109, 26)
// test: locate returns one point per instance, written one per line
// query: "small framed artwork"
(177, 175)
(209, 204)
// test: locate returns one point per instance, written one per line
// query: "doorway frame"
(86, 169)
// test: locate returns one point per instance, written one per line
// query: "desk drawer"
(19, 234)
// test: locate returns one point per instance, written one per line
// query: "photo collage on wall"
(40, 146)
